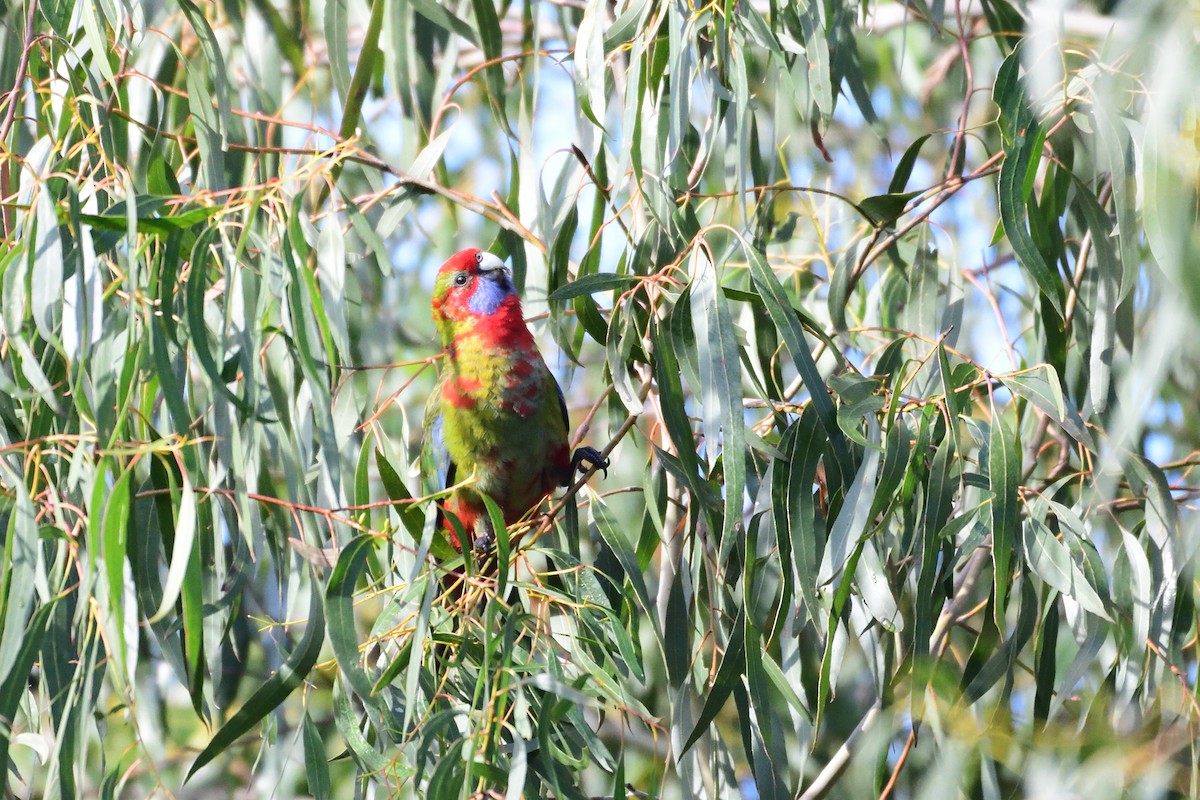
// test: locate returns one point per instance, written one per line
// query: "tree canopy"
(882, 311)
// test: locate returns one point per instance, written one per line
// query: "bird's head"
(472, 288)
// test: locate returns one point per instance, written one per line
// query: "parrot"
(496, 413)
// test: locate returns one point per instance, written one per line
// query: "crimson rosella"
(497, 414)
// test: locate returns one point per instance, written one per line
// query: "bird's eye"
(461, 279)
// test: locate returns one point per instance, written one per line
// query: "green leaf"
(589, 316)
(846, 533)
(1005, 23)
(905, 165)
(795, 508)
(1107, 276)
(882, 210)
(939, 502)
(362, 475)
(411, 515)
(149, 219)
(16, 684)
(1040, 386)
(810, 324)
(1022, 148)
(720, 390)
(861, 399)
(337, 38)
(274, 690)
(897, 451)
(816, 51)
(197, 287)
(316, 764)
(355, 90)
(1000, 662)
(606, 525)
(839, 286)
(443, 18)
(675, 419)
(771, 760)
(1162, 528)
(65, 660)
(183, 536)
(46, 270)
(487, 27)
(503, 544)
(729, 674)
(20, 571)
(1004, 476)
(216, 65)
(802, 358)
(210, 128)
(619, 349)
(1052, 562)
(368, 758)
(339, 606)
(116, 519)
(589, 284)
(627, 24)
(920, 311)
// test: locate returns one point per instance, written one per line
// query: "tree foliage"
(880, 309)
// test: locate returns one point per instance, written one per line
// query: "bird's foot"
(485, 536)
(591, 456)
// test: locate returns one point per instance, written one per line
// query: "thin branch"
(841, 759)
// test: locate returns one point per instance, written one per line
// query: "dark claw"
(592, 457)
(483, 542)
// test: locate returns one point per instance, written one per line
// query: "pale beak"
(490, 263)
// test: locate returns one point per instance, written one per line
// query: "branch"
(841, 759)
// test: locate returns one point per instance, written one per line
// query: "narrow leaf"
(275, 689)
(721, 389)
(181, 550)
(339, 606)
(1004, 475)
(316, 764)
(1040, 386)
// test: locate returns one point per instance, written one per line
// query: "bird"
(496, 422)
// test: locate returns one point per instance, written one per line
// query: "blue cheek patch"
(490, 291)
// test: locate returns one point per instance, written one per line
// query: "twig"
(604, 192)
(900, 762)
(436, 122)
(586, 422)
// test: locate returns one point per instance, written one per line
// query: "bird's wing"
(562, 406)
(589, 454)
(562, 474)
(437, 468)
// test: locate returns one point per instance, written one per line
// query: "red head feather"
(473, 294)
